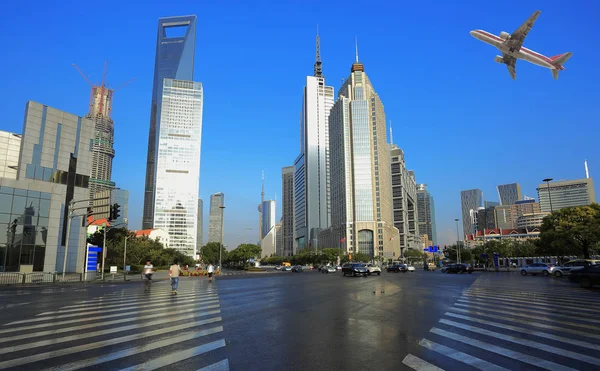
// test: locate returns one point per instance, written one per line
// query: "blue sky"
(462, 122)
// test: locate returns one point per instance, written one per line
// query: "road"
(302, 321)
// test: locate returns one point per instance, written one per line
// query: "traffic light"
(114, 211)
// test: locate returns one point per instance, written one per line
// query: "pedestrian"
(210, 269)
(174, 274)
(148, 271)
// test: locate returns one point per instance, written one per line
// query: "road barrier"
(7, 279)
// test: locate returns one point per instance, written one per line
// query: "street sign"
(113, 269)
(127, 268)
(92, 258)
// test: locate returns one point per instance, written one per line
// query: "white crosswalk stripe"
(500, 327)
(127, 330)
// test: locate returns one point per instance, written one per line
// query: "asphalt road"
(304, 321)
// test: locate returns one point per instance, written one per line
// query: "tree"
(330, 255)
(414, 255)
(571, 231)
(244, 252)
(210, 252)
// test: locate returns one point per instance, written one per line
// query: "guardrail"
(7, 279)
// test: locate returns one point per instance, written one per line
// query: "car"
(297, 269)
(458, 268)
(286, 268)
(339, 268)
(373, 269)
(587, 276)
(410, 268)
(537, 268)
(278, 267)
(573, 265)
(354, 269)
(328, 269)
(397, 268)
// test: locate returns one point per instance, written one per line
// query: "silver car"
(538, 268)
(573, 265)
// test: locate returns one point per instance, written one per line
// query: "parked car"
(328, 269)
(286, 268)
(354, 269)
(587, 276)
(410, 268)
(573, 265)
(397, 268)
(278, 267)
(458, 268)
(373, 269)
(297, 269)
(538, 268)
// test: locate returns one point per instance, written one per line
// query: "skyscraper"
(509, 193)
(199, 239)
(566, 193)
(215, 217)
(287, 210)
(470, 200)
(175, 47)
(178, 164)
(312, 209)
(361, 193)
(426, 213)
(268, 216)
(404, 200)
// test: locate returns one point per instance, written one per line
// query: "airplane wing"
(516, 38)
(511, 64)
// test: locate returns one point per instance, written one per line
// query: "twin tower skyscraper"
(174, 141)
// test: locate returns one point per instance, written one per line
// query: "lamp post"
(548, 180)
(457, 242)
(125, 254)
(221, 247)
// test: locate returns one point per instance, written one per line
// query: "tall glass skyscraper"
(312, 208)
(509, 193)
(471, 200)
(215, 217)
(175, 48)
(361, 192)
(178, 164)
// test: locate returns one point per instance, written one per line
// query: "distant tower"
(587, 173)
(260, 208)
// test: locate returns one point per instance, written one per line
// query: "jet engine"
(498, 59)
(504, 35)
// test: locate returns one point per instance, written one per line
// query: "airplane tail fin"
(555, 73)
(559, 60)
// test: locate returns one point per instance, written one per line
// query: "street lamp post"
(221, 247)
(457, 242)
(125, 254)
(548, 180)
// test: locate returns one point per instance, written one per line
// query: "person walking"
(174, 274)
(147, 272)
(210, 269)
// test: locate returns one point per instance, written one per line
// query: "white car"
(373, 269)
(410, 268)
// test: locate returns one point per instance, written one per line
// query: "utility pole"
(69, 219)
(221, 247)
(125, 254)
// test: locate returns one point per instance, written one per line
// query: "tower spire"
(357, 66)
(391, 134)
(318, 70)
(356, 42)
(262, 194)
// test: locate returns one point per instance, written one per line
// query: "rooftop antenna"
(587, 173)
(356, 41)
(391, 134)
(318, 71)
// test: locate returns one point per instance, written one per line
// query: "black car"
(297, 269)
(587, 277)
(398, 268)
(459, 268)
(355, 269)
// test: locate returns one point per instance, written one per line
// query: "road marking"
(519, 314)
(162, 332)
(544, 303)
(135, 350)
(127, 301)
(528, 343)
(556, 296)
(218, 366)
(177, 356)
(79, 320)
(460, 356)
(535, 361)
(418, 364)
(7, 306)
(545, 335)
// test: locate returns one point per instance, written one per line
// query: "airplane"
(511, 47)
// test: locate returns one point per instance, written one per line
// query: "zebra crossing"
(128, 329)
(510, 326)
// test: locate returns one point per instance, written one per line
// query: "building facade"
(425, 213)
(470, 200)
(10, 145)
(312, 184)
(53, 169)
(509, 193)
(121, 197)
(361, 193)
(178, 164)
(215, 217)
(268, 216)
(566, 193)
(200, 226)
(404, 199)
(174, 60)
(287, 211)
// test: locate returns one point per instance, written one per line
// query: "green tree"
(243, 253)
(414, 255)
(571, 231)
(210, 253)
